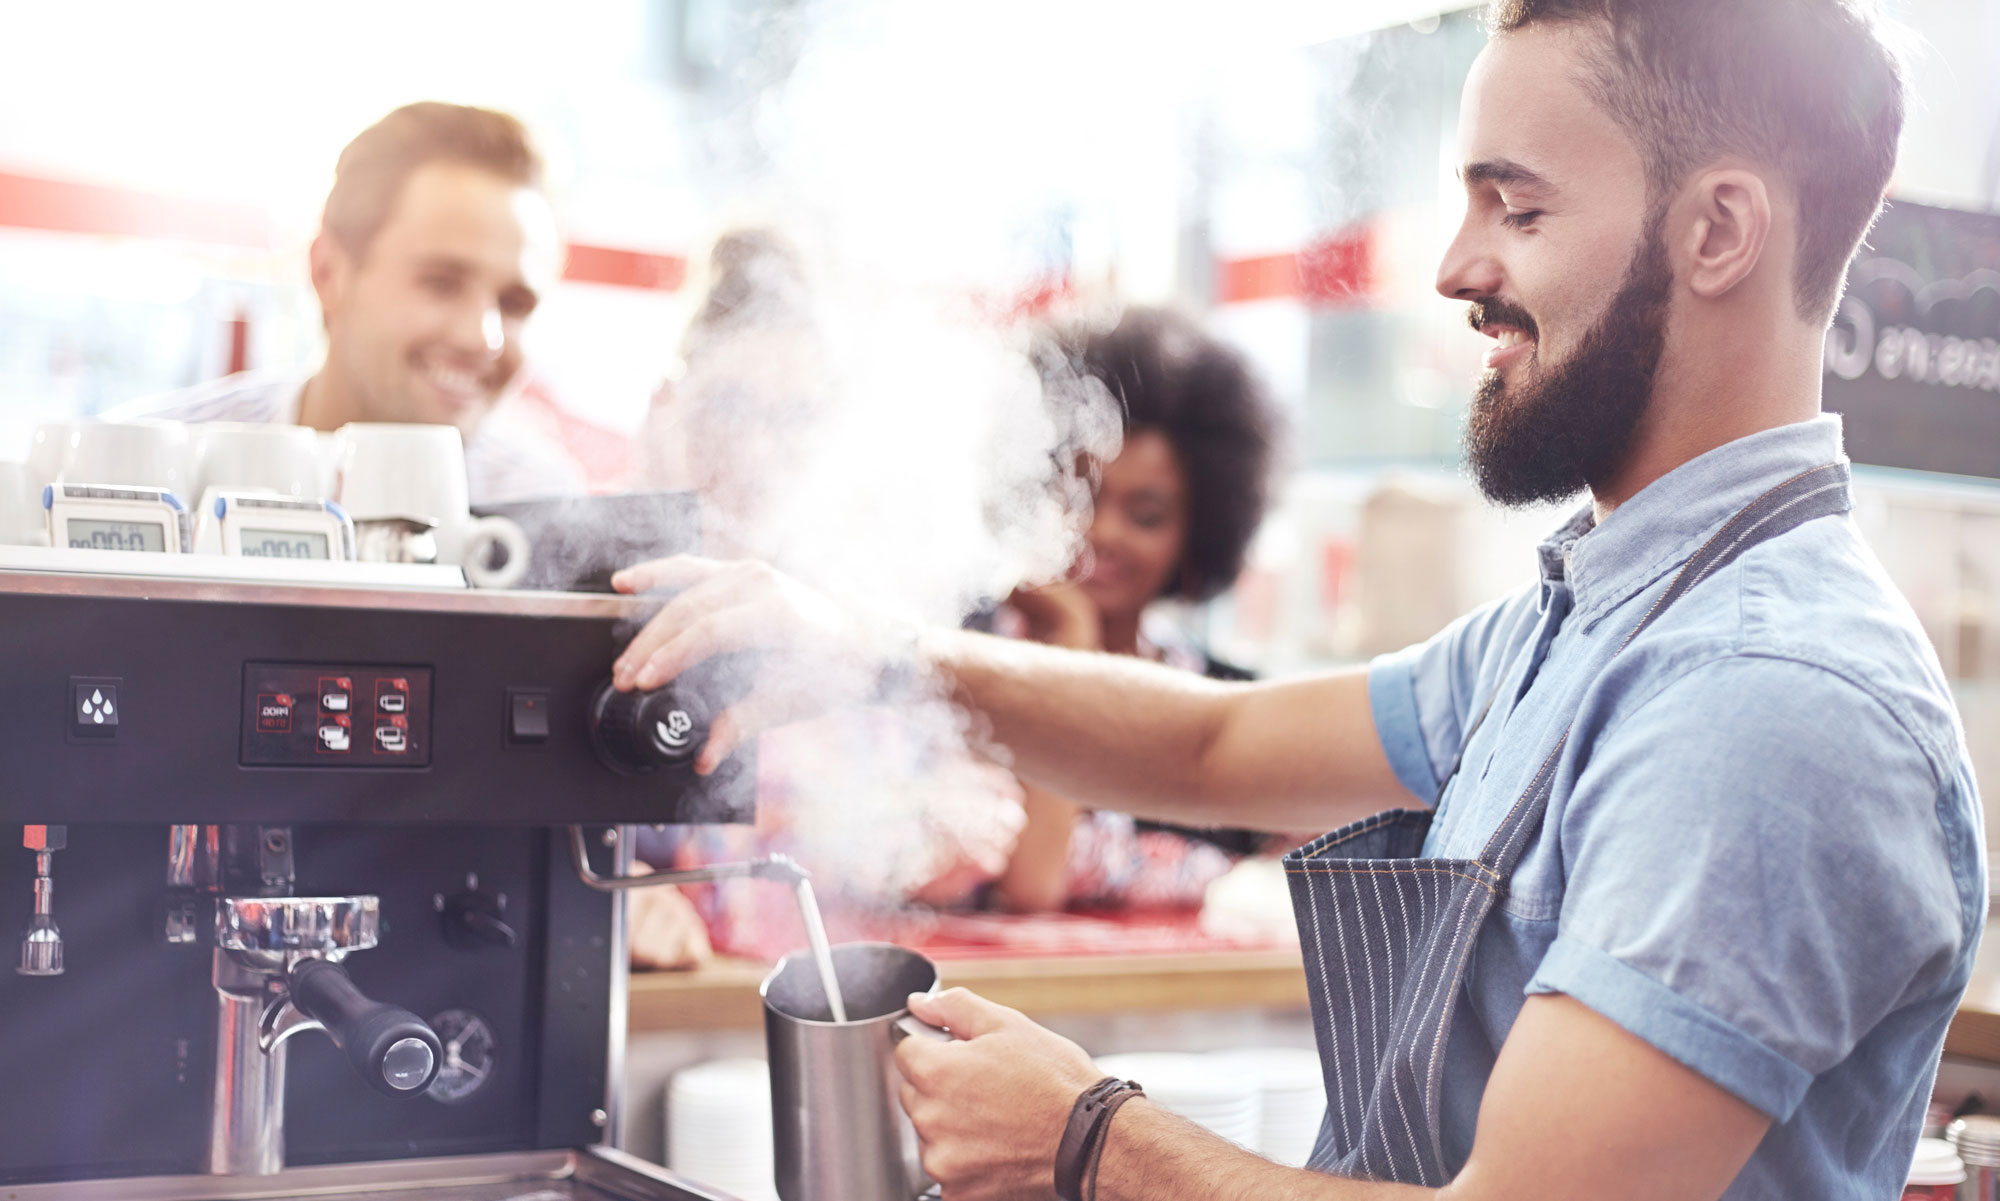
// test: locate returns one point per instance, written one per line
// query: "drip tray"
(589, 1174)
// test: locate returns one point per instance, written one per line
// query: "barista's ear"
(1730, 231)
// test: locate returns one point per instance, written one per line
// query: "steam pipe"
(782, 868)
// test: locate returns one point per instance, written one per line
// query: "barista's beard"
(1556, 433)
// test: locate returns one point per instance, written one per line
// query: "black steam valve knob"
(645, 731)
(394, 1050)
(475, 919)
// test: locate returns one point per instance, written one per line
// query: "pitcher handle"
(911, 1026)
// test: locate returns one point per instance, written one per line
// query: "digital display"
(285, 544)
(117, 535)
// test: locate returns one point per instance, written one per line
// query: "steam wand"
(781, 868)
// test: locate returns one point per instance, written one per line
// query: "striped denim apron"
(1388, 933)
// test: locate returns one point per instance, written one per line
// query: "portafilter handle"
(394, 1050)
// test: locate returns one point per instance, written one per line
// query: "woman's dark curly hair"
(1170, 376)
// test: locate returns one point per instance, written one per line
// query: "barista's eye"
(1520, 220)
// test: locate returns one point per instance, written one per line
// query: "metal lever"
(394, 1050)
(782, 868)
(41, 947)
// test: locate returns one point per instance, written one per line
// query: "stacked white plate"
(719, 1127)
(1293, 1093)
(1200, 1088)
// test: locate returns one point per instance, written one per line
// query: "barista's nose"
(1469, 270)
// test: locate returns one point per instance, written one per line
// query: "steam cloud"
(856, 414)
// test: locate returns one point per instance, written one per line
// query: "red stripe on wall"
(1334, 271)
(27, 202)
(625, 268)
(65, 206)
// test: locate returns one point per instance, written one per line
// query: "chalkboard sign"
(1913, 359)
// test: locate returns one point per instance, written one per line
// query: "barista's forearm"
(1109, 731)
(1153, 1155)
(1116, 732)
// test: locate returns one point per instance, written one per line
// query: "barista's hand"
(815, 653)
(1060, 614)
(990, 1107)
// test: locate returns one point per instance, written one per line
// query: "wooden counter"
(1975, 1032)
(723, 996)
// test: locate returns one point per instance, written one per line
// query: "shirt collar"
(1604, 565)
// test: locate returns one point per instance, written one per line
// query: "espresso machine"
(315, 873)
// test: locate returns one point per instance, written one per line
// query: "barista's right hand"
(814, 652)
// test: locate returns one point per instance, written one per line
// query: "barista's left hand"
(991, 1105)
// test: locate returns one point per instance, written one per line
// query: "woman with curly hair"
(1174, 515)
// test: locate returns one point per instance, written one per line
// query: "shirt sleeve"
(1757, 876)
(1421, 696)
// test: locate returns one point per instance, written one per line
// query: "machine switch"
(527, 716)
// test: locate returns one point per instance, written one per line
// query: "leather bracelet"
(1082, 1138)
(1104, 1135)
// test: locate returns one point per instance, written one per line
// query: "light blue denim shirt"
(1764, 852)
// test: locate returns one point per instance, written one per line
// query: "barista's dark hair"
(369, 177)
(1168, 375)
(1806, 88)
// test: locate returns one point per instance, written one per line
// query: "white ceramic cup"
(401, 472)
(49, 451)
(246, 457)
(138, 454)
(23, 521)
(414, 475)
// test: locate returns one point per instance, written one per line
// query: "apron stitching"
(1394, 1080)
(1435, 1069)
(1508, 825)
(1761, 522)
(1354, 1031)
(1369, 826)
(1662, 600)
(1326, 991)
(1338, 869)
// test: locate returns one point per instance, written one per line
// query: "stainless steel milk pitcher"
(838, 1129)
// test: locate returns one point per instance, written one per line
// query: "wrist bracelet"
(1104, 1134)
(1083, 1137)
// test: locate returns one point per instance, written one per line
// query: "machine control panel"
(336, 715)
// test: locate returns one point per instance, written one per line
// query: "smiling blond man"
(436, 246)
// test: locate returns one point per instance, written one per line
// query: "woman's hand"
(663, 930)
(1060, 614)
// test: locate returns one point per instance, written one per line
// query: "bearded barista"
(436, 246)
(1660, 879)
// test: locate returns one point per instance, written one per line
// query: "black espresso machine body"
(429, 748)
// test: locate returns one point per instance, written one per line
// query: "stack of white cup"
(719, 1127)
(1294, 1098)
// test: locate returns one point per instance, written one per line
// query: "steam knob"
(645, 731)
(474, 919)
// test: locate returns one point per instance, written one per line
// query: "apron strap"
(1821, 492)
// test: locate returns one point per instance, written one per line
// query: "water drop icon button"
(95, 711)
